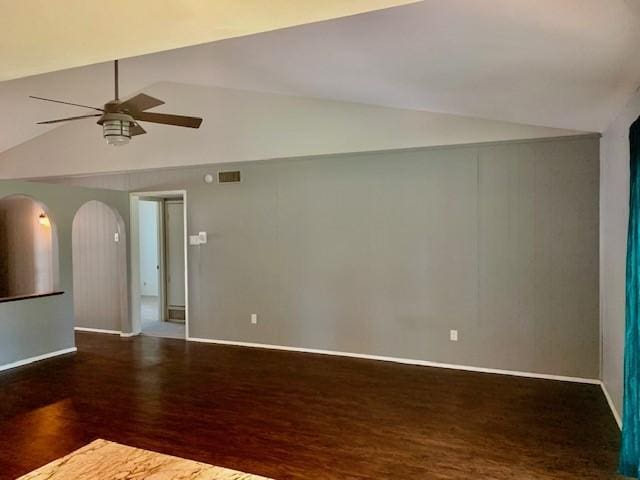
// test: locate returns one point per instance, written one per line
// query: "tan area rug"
(103, 460)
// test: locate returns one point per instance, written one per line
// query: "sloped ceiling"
(245, 126)
(568, 64)
(38, 36)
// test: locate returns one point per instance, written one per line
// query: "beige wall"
(26, 248)
(384, 253)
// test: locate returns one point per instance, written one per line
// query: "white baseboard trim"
(616, 415)
(97, 330)
(44, 356)
(406, 361)
(109, 332)
(101, 330)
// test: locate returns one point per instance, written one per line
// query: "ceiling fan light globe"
(117, 141)
(116, 132)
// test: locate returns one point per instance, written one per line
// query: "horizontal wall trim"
(97, 330)
(613, 408)
(239, 164)
(37, 358)
(406, 361)
(122, 334)
(32, 296)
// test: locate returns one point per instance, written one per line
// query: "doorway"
(99, 255)
(159, 261)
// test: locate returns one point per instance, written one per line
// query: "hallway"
(152, 326)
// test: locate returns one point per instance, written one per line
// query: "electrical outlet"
(453, 335)
(254, 318)
(116, 237)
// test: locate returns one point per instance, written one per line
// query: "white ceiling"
(558, 63)
(246, 126)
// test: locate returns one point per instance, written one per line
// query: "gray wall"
(384, 253)
(99, 268)
(38, 326)
(614, 214)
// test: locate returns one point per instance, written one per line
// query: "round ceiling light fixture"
(116, 128)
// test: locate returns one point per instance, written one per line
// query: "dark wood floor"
(300, 416)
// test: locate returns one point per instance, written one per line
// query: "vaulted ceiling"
(38, 36)
(558, 63)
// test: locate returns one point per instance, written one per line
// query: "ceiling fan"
(119, 119)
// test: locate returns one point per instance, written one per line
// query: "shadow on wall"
(28, 248)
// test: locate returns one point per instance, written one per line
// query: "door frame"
(160, 259)
(134, 198)
(165, 258)
(162, 315)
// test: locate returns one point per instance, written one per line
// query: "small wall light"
(43, 219)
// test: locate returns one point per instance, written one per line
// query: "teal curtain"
(630, 449)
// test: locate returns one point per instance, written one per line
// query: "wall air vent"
(229, 177)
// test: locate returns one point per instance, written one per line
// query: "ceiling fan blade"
(66, 103)
(69, 118)
(166, 119)
(136, 129)
(140, 103)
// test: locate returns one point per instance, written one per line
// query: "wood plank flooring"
(301, 416)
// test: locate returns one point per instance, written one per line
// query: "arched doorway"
(99, 269)
(28, 248)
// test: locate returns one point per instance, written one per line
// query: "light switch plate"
(203, 237)
(194, 240)
(453, 335)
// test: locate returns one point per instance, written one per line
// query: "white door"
(174, 228)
